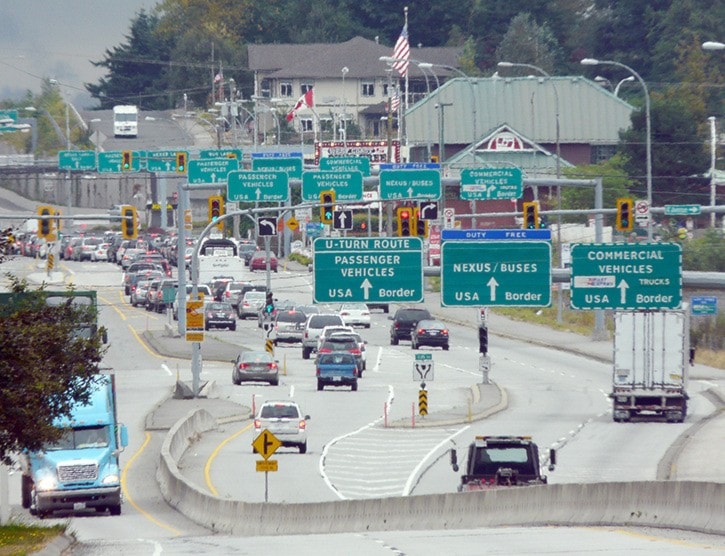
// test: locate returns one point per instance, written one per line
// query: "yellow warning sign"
(266, 444)
(293, 224)
(266, 465)
(194, 315)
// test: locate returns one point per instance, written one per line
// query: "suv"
(164, 296)
(404, 321)
(313, 328)
(289, 326)
(284, 419)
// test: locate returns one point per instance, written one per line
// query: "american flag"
(402, 52)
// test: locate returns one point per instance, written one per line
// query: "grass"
(19, 539)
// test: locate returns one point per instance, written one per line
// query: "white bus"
(125, 121)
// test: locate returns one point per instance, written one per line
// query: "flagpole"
(402, 124)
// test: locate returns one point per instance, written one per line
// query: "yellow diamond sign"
(266, 444)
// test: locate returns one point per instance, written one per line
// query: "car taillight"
(355, 352)
(317, 371)
(324, 350)
(243, 366)
(303, 424)
(421, 331)
(444, 332)
(345, 314)
(257, 424)
(273, 365)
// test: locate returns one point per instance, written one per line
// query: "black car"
(219, 315)
(429, 333)
(403, 322)
(246, 250)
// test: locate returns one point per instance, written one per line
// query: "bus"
(125, 121)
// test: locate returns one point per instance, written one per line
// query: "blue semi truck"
(81, 470)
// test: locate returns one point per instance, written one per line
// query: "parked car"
(250, 305)
(285, 420)
(219, 314)
(429, 332)
(313, 328)
(201, 289)
(404, 321)
(255, 366)
(355, 314)
(289, 326)
(259, 262)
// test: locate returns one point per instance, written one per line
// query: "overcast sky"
(59, 39)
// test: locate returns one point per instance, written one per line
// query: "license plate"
(79, 506)
(336, 378)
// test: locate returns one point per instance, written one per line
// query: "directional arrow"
(429, 211)
(366, 285)
(343, 218)
(623, 287)
(492, 283)
(267, 226)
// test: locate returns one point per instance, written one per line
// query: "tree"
(45, 367)
(529, 43)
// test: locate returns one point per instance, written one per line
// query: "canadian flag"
(306, 101)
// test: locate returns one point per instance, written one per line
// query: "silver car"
(289, 326)
(284, 420)
(255, 366)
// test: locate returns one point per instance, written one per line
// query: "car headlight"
(47, 483)
(111, 479)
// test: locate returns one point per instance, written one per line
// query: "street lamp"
(345, 70)
(607, 82)
(648, 138)
(713, 45)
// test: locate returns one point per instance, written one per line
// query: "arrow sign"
(492, 286)
(429, 211)
(266, 444)
(342, 220)
(623, 287)
(268, 226)
(366, 285)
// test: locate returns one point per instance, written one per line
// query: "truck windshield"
(76, 439)
(513, 455)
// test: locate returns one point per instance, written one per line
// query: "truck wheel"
(26, 491)
(319, 386)
(115, 510)
(354, 386)
(393, 341)
(303, 448)
(306, 353)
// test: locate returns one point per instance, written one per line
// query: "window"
(266, 88)
(600, 153)
(285, 89)
(307, 124)
(304, 87)
(368, 88)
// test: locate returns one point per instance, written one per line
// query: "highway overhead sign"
(495, 273)
(293, 166)
(163, 161)
(626, 276)
(266, 444)
(410, 184)
(211, 170)
(77, 160)
(682, 210)
(262, 186)
(491, 183)
(375, 270)
(110, 161)
(221, 153)
(346, 164)
(513, 234)
(348, 186)
(703, 305)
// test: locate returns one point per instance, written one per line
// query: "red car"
(259, 262)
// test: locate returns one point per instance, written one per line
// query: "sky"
(58, 39)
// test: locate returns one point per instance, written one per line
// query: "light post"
(713, 160)
(345, 71)
(608, 83)
(713, 45)
(648, 138)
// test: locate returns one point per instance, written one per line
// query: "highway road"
(558, 398)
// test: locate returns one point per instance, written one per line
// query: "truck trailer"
(81, 470)
(651, 358)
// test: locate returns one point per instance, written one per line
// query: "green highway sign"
(211, 170)
(348, 186)
(292, 165)
(368, 270)
(221, 153)
(491, 183)
(77, 160)
(9, 115)
(250, 186)
(682, 210)
(163, 161)
(110, 162)
(410, 184)
(626, 276)
(346, 164)
(496, 273)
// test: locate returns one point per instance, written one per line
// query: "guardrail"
(689, 505)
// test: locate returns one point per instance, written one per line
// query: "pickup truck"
(337, 369)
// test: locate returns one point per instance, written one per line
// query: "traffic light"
(531, 215)
(269, 303)
(45, 225)
(216, 209)
(483, 340)
(181, 162)
(126, 161)
(624, 221)
(405, 221)
(129, 222)
(421, 226)
(434, 158)
(327, 206)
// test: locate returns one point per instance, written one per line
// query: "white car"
(332, 329)
(202, 289)
(355, 314)
(100, 252)
(284, 419)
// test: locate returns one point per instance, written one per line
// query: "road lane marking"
(215, 453)
(127, 494)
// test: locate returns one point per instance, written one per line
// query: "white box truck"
(651, 358)
(125, 121)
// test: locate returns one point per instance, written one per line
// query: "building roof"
(326, 60)
(588, 113)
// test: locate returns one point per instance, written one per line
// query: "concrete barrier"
(695, 506)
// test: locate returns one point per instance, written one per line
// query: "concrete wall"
(697, 506)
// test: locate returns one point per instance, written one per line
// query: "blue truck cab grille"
(76, 472)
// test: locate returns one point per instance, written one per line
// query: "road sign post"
(626, 276)
(368, 270)
(496, 273)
